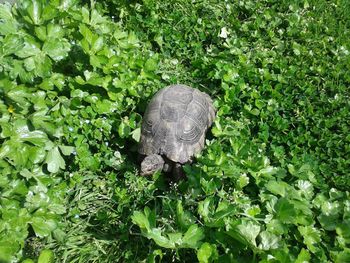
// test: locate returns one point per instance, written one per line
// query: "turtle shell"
(175, 123)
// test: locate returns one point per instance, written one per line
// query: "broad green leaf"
(12, 44)
(46, 256)
(242, 181)
(156, 235)
(184, 218)
(57, 50)
(54, 160)
(151, 64)
(193, 236)
(175, 238)
(66, 4)
(312, 237)
(30, 48)
(55, 31)
(8, 248)
(141, 220)
(306, 188)
(342, 256)
(304, 256)
(43, 226)
(204, 208)
(66, 150)
(145, 220)
(277, 187)
(269, 241)
(86, 32)
(40, 32)
(34, 9)
(38, 138)
(96, 18)
(29, 64)
(5, 150)
(124, 129)
(105, 106)
(97, 44)
(285, 211)
(136, 134)
(245, 232)
(207, 253)
(5, 12)
(49, 12)
(343, 233)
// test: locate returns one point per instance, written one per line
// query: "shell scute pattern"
(175, 123)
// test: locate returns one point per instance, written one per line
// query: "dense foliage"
(272, 183)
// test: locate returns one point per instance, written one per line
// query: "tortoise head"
(151, 164)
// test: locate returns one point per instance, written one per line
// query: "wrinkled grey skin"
(151, 164)
(154, 163)
(173, 129)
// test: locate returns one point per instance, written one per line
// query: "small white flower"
(70, 129)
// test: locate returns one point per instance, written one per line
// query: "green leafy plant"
(271, 184)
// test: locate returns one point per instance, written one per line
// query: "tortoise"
(173, 129)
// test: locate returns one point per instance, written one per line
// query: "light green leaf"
(43, 226)
(156, 235)
(86, 32)
(303, 257)
(207, 253)
(30, 48)
(38, 138)
(245, 232)
(46, 256)
(55, 31)
(285, 211)
(8, 248)
(97, 44)
(184, 218)
(12, 44)
(151, 64)
(66, 150)
(342, 257)
(312, 237)
(105, 106)
(40, 32)
(124, 129)
(175, 238)
(136, 134)
(242, 181)
(146, 220)
(54, 160)
(57, 50)
(192, 237)
(277, 187)
(268, 241)
(34, 10)
(66, 4)
(138, 218)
